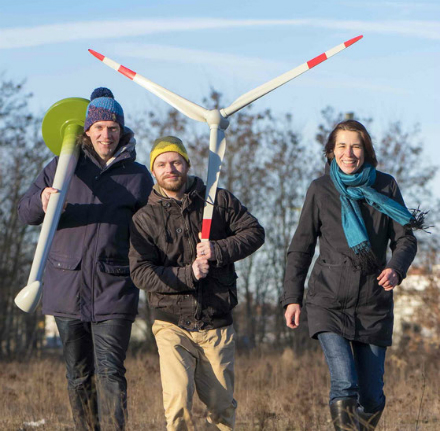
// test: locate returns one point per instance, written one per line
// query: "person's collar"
(119, 150)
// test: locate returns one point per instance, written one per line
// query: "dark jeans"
(94, 354)
(356, 371)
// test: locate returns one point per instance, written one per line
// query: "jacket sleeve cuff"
(191, 279)
(217, 255)
(399, 274)
(36, 213)
(286, 300)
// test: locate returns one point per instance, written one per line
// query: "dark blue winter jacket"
(87, 274)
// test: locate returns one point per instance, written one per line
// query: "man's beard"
(174, 186)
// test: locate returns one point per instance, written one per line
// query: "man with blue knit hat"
(87, 285)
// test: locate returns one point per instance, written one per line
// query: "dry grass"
(274, 392)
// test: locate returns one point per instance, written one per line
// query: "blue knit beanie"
(103, 107)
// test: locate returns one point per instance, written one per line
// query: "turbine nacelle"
(215, 118)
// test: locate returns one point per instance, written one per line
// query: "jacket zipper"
(95, 258)
(191, 244)
(197, 302)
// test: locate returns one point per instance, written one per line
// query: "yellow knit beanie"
(165, 145)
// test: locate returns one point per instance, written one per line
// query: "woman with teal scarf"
(357, 213)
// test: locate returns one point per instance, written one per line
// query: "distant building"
(415, 305)
(52, 336)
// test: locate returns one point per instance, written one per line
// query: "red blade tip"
(96, 54)
(354, 40)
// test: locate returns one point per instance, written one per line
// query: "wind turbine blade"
(217, 146)
(190, 109)
(262, 90)
(29, 297)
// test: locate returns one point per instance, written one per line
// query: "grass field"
(274, 392)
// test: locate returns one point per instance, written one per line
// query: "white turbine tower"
(218, 119)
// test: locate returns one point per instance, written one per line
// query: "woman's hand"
(292, 314)
(388, 279)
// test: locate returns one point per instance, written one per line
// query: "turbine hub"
(216, 119)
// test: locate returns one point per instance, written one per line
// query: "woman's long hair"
(352, 126)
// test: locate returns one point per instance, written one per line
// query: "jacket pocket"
(61, 284)
(221, 297)
(114, 268)
(159, 300)
(326, 284)
(61, 261)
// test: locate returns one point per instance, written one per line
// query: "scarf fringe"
(418, 220)
(365, 260)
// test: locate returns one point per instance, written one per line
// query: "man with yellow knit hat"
(191, 285)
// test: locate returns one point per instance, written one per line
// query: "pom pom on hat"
(103, 107)
(101, 92)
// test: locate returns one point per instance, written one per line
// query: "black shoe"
(344, 414)
(369, 421)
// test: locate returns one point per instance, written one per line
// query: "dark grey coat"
(87, 274)
(340, 299)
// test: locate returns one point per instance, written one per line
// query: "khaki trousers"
(202, 361)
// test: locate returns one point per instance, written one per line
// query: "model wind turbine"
(218, 119)
(62, 124)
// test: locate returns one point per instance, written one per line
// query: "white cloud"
(236, 65)
(20, 37)
(402, 8)
(419, 29)
(58, 33)
(252, 70)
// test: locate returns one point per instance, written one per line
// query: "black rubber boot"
(368, 421)
(344, 414)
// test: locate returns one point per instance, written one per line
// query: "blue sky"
(234, 46)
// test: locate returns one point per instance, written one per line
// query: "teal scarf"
(359, 186)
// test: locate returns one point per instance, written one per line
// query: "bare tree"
(22, 153)
(268, 166)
